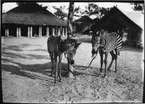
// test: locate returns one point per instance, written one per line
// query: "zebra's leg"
(56, 69)
(113, 57)
(60, 58)
(105, 61)
(101, 61)
(52, 63)
(116, 60)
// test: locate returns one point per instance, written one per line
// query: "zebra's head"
(71, 46)
(96, 39)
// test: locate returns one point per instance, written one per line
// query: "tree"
(76, 11)
(61, 13)
(93, 9)
(103, 11)
(70, 30)
(70, 18)
(138, 7)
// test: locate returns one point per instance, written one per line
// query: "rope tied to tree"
(91, 62)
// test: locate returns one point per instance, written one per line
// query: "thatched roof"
(82, 24)
(84, 20)
(115, 20)
(31, 14)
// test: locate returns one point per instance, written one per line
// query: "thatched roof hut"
(83, 19)
(116, 20)
(82, 24)
(31, 15)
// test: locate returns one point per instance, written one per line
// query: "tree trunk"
(70, 19)
(69, 31)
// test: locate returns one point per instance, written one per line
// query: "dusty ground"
(26, 75)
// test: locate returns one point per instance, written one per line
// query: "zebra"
(56, 48)
(104, 43)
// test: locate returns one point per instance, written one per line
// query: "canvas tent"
(31, 19)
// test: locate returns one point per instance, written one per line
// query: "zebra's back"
(52, 44)
(110, 42)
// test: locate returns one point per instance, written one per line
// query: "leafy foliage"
(138, 7)
(61, 13)
(93, 9)
(103, 11)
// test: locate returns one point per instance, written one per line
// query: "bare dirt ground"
(26, 75)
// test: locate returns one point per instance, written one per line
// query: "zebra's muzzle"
(72, 62)
(94, 52)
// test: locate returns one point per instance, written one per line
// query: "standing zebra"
(105, 43)
(56, 47)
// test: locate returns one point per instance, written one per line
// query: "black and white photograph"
(72, 52)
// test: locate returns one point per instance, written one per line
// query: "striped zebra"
(104, 43)
(56, 48)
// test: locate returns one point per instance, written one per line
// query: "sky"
(122, 6)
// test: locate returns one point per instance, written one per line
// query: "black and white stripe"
(110, 42)
(105, 43)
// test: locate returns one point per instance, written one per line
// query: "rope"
(91, 61)
(85, 54)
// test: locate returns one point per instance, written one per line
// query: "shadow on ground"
(14, 48)
(25, 56)
(39, 71)
(19, 69)
(18, 47)
(129, 48)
